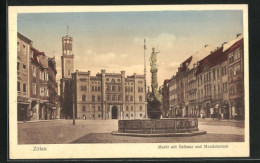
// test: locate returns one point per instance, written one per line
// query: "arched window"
(83, 97)
(108, 97)
(119, 88)
(132, 108)
(126, 108)
(119, 97)
(113, 88)
(93, 98)
(126, 97)
(125, 89)
(93, 88)
(99, 98)
(141, 108)
(131, 89)
(140, 98)
(98, 88)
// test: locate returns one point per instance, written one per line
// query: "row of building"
(210, 83)
(101, 96)
(37, 97)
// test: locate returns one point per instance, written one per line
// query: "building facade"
(33, 82)
(109, 95)
(210, 85)
(236, 79)
(23, 96)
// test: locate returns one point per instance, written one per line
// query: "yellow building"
(109, 95)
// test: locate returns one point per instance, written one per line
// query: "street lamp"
(73, 94)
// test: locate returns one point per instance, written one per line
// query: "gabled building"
(211, 86)
(35, 74)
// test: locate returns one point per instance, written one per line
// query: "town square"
(93, 79)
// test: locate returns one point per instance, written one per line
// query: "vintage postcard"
(165, 81)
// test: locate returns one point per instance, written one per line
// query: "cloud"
(163, 40)
(173, 64)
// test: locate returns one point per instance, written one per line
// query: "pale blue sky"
(114, 40)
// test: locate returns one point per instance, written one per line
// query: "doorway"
(114, 112)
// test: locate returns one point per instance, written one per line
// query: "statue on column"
(154, 97)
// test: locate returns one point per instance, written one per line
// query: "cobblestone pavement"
(98, 131)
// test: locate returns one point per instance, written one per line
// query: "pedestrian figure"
(211, 113)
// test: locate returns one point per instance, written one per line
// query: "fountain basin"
(159, 127)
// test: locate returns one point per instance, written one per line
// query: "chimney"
(103, 71)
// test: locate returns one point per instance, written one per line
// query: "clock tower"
(66, 83)
(67, 58)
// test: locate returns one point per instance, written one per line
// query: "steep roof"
(184, 65)
(211, 60)
(40, 58)
(234, 46)
(196, 57)
(227, 45)
(220, 55)
(199, 55)
(25, 39)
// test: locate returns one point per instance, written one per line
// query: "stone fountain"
(154, 126)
